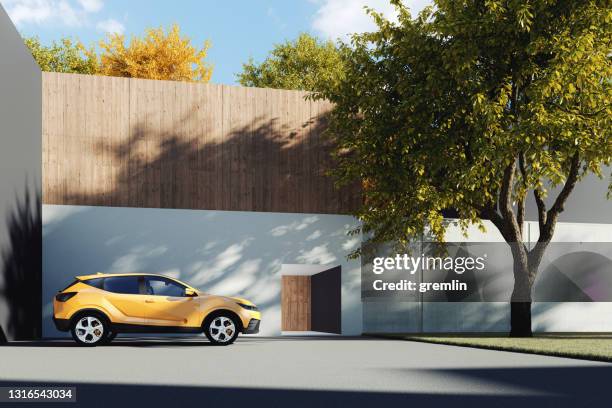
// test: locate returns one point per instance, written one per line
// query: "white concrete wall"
(20, 154)
(402, 317)
(573, 316)
(468, 316)
(221, 252)
(388, 316)
(242, 253)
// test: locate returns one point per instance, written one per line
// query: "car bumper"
(62, 324)
(252, 328)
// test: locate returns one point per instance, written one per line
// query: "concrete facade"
(431, 317)
(20, 176)
(246, 253)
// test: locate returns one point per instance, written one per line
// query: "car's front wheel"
(90, 330)
(221, 329)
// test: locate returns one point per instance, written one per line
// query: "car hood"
(242, 300)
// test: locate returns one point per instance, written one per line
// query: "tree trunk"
(520, 319)
(2, 336)
(520, 303)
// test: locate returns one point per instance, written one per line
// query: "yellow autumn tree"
(157, 55)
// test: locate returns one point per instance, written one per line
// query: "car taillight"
(62, 297)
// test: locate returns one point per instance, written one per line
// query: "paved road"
(312, 372)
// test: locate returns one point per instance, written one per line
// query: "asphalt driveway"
(306, 372)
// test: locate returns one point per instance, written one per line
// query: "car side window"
(122, 284)
(157, 286)
(95, 282)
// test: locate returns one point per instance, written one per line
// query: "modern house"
(224, 187)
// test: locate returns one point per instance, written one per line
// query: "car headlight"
(248, 307)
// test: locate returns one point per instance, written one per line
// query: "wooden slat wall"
(142, 143)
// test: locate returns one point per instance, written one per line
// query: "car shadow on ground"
(177, 341)
(124, 342)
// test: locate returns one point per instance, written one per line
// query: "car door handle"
(149, 301)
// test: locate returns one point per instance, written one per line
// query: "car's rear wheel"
(90, 329)
(221, 329)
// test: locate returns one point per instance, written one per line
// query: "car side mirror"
(190, 292)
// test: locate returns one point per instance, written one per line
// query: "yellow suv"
(95, 308)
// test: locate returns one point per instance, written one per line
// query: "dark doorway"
(326, 302)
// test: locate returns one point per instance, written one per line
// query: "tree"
(66, 56)
(301, 64)
(158, 55)
(475, 106)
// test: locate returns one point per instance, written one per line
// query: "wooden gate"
(295, 303)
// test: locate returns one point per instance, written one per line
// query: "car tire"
(110, 337)
(221, 329)
(90, 329)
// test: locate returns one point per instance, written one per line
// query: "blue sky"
(237, 29)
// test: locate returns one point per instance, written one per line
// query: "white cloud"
(35, 11)
(111, 26)
(339, 18)
(71, 13)
(91, 6)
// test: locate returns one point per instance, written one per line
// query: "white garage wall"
(241, 254)
(385, 316)
(468, 317)
(573, 316)
(221, 252)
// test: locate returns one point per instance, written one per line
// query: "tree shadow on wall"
(21, 267)
(265, 165)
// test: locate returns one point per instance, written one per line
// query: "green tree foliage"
(475, 106)
(65, 56)
(302, 64)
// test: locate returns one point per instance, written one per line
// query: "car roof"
(108, 275)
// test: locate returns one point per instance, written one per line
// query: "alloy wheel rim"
(222, 329)
(89, 329)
